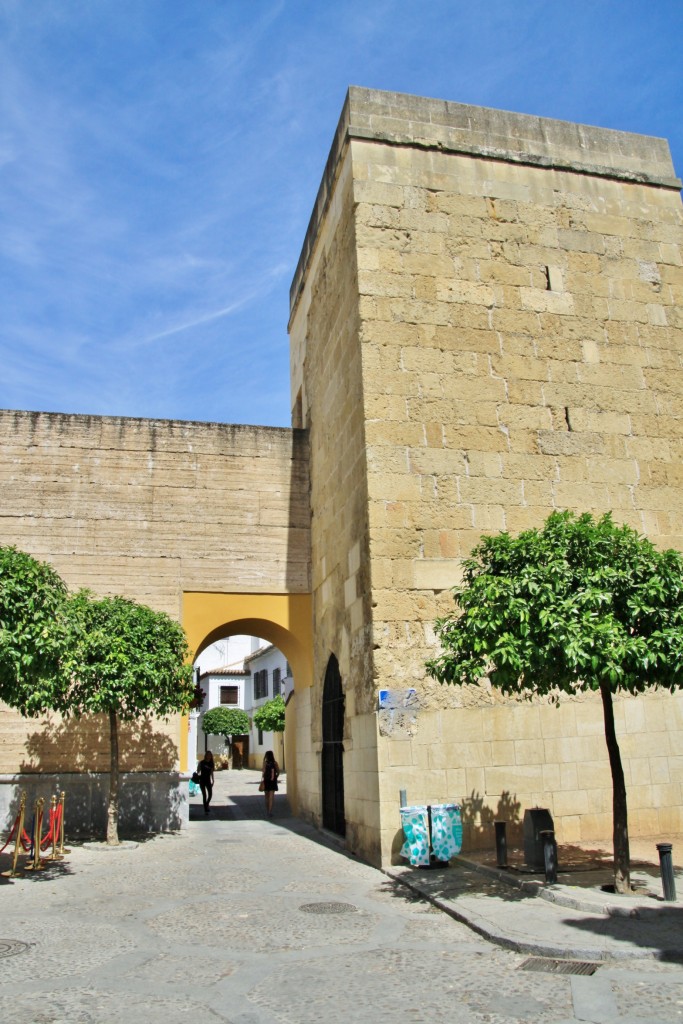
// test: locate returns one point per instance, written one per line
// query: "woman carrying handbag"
(269, 777)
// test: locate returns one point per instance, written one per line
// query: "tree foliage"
(270, 717)
(125, 660)
(124, 657)
(32, 595)
(576, 605)
(225, 721)
(78, 655)
(581, 604)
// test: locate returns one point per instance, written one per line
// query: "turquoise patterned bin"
(444, 840)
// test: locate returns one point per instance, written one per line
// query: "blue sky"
(159, 160)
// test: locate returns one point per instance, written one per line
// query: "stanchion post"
(20, 832)
(54, 819)
(12, 873)
(549, 856)
(37, 831)
(61, 824)
(666, 868)
(501, 844)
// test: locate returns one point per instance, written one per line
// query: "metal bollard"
(666, 868)
(549, 857)
(501, 844)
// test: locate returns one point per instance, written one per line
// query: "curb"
(539, 948)
(628, 906)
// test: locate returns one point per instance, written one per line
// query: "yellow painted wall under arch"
(285, 620)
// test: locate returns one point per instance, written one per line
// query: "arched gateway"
(485, 325)
(208, 522)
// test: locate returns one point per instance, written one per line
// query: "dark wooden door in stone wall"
(240, 751)
(333, 750)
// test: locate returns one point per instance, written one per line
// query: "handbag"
(195, 778)
(261, 786)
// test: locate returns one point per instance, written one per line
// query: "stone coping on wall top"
(401, 119)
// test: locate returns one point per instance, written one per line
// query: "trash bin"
(431, 831)
(536, 820)
(446, 831)
(415, 824)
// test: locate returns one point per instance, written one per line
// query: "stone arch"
(285, 620)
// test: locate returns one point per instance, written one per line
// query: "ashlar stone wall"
(517, 318)
(327, 394)
(149, 509)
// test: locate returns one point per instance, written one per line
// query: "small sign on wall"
(390, 700)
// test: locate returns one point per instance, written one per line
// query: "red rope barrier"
(49, 834)
(16, 822)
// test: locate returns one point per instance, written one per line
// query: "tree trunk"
(622, 859)
(113, 803)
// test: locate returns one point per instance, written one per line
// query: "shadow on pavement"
(646, 928)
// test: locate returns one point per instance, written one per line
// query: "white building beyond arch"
(244, 672)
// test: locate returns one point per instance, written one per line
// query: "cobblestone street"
(247, 920)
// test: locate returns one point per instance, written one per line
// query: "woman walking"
(205, 770)
(269, 777)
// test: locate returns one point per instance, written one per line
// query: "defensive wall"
(486, 325)
(205, 521)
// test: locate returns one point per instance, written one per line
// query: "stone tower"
(486, 325)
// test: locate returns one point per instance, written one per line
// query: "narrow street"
(248, 920)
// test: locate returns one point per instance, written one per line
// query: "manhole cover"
(331, 907)
(10, 947)
(549, 966)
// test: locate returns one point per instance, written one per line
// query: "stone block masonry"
(485, 326)
(150, 509)
(511, 310)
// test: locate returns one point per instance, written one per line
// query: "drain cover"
(548, 966)
(328, 908)
(10, 947)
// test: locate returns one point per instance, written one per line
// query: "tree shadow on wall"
(82, 745)
(73, 755)
(477, 824)
(478, 820)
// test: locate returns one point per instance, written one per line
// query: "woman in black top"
(269, 776)
(205, 769)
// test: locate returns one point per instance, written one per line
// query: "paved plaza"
(247, 920)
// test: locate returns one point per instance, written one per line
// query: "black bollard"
(549, 856)
(666, 868)
(501, 844)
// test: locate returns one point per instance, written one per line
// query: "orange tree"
(124, 660)
(226, 722)
(78, 655)
(32, 595)
(270, 717)
(581, 604)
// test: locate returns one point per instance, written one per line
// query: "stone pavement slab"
(247, 920)
(558, 921)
